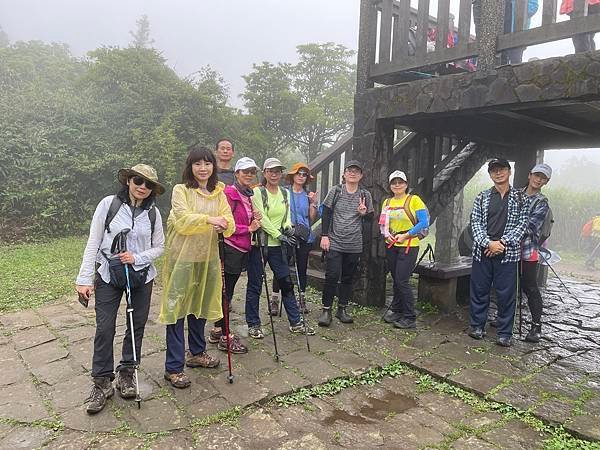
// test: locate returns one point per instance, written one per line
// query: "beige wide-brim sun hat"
(143, 170)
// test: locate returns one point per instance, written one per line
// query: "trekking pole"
(262, 244)
(138, 399)
(541, 253)
(428, 251)
(225, 302)
(301, 295)
(520, 296)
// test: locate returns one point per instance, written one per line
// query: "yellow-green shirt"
(272, 221)
(399, 220)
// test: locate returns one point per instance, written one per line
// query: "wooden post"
(367, 35)
(492, 25)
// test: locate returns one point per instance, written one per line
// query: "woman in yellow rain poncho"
(191, 274)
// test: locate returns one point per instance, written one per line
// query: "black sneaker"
(477, 333)
(101, 391)
(504, 341)
(392, 316)
(405, 324)
(535, 334)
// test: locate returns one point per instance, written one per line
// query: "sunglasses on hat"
(138, 181)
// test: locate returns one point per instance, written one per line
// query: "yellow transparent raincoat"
(192, 270)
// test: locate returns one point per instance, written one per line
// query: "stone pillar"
(448, 227)
(492, 25)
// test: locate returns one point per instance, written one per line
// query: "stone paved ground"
(46, 353)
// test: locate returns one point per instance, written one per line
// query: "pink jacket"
(241, 237)
(566, 7)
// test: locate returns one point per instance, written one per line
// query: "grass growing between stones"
(558, 437)
(38, 273)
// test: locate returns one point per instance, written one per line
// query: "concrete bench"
(445, 284)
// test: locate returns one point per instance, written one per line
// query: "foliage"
(70, 124)
(35, 274)
(141, 35)
(303, 106)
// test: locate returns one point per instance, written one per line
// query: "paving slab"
(515, 435)
(44, 354)
(13, 370)
(22, 402)
(78, 419)
(32, 337)
(159, 414)
(21, 320)
(25, 437)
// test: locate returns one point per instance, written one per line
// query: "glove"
(289, 240)
(289, 232)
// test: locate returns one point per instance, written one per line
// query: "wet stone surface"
(46, 357)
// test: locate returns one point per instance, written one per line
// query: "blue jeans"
(175, 356)
(281, 271)
(484, 274)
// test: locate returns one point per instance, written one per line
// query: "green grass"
(34, 274)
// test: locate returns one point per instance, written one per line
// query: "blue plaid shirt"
(538, 209)
(516, 223)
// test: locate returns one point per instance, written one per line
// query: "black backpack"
(548, 223)
(114, 207)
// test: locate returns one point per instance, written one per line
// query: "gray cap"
(271, 163)
(543, 168)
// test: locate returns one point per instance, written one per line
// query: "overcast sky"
(228, 35)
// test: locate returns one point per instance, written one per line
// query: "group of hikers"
(222, 223)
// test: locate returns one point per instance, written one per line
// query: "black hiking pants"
(108, 300)
(339, 267)
(530, 288)
(401, 264)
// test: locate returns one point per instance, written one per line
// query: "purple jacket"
(241, 237)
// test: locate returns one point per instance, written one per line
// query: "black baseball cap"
(353, 163)
(500, 162)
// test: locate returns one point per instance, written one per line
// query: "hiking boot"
(256, 332)
(302, 304)
(179, 380)
(504, 341)
(325, 317)
(300, 329)
(235, 345)
(535, 334)
(101, 390)
(126, 384)
(202, 360)
(215, 335)
(405, 324)
(342, 315)
(477, 333)
(392, 316)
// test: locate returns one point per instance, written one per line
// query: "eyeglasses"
(302, 173)
(276, 171)
(354, 170)
(248, 171)
(138, 181)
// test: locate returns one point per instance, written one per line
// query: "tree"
(141, 36)
(4, 41)
(307, 105)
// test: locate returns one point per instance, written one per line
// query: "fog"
(228, 35)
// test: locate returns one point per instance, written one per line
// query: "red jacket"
(566, 7)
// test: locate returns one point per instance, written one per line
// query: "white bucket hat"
(245, 163)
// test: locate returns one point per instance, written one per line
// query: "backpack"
(265, 201)
(547, 225)
(337, 191)
(406, 207)
(113, 209)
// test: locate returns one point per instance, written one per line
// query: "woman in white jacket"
(131, 211)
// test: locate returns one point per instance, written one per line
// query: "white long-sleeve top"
(139, 242)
